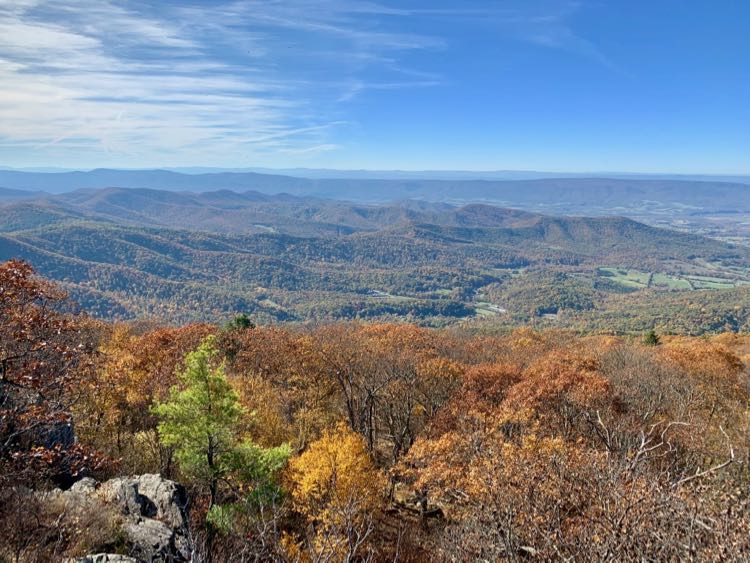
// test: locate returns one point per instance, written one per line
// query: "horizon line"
(180, 169)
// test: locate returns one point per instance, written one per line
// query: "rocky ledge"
(151, 516)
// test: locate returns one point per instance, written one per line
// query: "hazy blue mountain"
(7, 194)
(60, 182)
(588, 196)
(323, 173)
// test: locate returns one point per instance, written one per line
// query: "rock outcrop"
(151, 513)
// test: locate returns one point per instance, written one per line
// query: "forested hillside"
(125, 253)
(356, 442)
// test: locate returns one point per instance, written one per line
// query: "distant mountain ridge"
(384, 174)
(61, 182)
(226, 211)
(557, 195)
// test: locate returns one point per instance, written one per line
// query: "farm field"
(637, 279)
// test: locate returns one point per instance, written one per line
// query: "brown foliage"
(533, 444)
(619, 454)
(45, 354)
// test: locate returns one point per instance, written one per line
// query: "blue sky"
(560, 85)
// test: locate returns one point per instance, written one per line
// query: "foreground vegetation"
(355, 442)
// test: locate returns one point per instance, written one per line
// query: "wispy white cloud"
(182, 79)
(356, 87)
(233, 80)
(312, 150)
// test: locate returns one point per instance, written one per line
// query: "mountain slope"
(246, 212)
(7, 194)
(281, 257)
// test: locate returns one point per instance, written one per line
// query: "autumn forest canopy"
(354, 441)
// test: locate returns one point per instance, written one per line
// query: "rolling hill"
(7, 194)
(126, 253)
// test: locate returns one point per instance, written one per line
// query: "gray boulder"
(152, 511)
(149, 496)
(152, 540)
(86, 486)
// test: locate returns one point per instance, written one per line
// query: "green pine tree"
(651, 338)
(201, 421)
(240, 322)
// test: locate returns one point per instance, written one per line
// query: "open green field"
(709, 282)
(487, 309)
(385, 295)
(627, 278)
(670, 282)
(512, 272)
(638, 279)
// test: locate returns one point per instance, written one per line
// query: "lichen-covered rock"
(148, 495)
(86, 486)
(169, 498)
(152, 540)
(152, 511)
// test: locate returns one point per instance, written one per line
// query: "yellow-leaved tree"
(336, 486)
